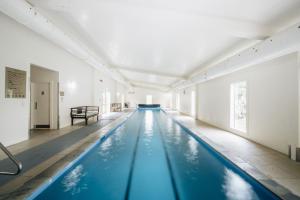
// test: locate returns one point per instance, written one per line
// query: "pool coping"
(35, 185)
(271, 184)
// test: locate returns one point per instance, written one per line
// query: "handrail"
(13, 159)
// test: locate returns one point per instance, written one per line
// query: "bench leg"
(97, 117)
(72, 121)
(86, 121)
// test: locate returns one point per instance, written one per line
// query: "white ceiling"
(159, 42)
(134, 75)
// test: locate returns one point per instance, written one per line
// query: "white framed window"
(148, 99)
(238, 106)
(193, 103)
(103, 103)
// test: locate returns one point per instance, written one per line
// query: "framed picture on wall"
(15, 83)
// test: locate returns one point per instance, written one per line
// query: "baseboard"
(42, 126)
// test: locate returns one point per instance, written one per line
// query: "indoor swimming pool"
(152, 157)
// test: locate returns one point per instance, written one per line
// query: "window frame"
(232, 108)
(193, 110)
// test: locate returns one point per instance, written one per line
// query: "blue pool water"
(150, 157)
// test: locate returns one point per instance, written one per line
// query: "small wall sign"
(15, 83)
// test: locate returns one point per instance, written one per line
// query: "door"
(40, 105)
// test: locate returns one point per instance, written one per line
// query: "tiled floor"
(259, 161)
(45, 138)
(41, 136)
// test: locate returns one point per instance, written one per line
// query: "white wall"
(120, 90)
(185, 99)
(20, 47)
(298, 100)
(158, 97)
(104, 83)
(272, 102)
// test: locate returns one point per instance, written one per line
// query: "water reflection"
(169, 125)
(118, 135)
(148, 131)
(71, 182)
(148, 121)
(106, 145)
(105, 148)
(192, 154)
(237, 188)
(177, 134)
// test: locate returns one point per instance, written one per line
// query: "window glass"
(148, 99)
(238, 109)
(193, 103)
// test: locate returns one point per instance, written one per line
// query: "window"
(193, 103)
(103, 102)
(178, 101)
(148, 99)
(238, 108)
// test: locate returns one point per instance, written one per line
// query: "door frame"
(54, 124)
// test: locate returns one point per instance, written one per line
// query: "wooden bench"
(84, 112)
(116, 107)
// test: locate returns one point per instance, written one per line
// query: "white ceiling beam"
(282, 43)
(151, 88)
(148, 72)
(231, 51)
(150, 85)
(25, 14)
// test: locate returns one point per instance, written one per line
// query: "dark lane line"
(167, 158)
(127, 193)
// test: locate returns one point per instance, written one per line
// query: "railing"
(13, 159)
